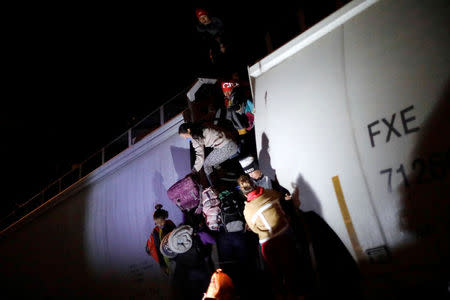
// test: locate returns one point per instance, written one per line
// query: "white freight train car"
(354, 112)
(89, 241)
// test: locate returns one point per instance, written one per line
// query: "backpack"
(231, 207)
(211, 209)
(185, 193)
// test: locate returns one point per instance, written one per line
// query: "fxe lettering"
(391, 127)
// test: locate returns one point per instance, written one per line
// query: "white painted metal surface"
(351, 97)
(91, 243)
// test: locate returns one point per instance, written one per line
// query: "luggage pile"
(222, 208)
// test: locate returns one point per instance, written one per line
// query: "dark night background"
(75, 73)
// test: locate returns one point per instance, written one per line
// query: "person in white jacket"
(201, 137)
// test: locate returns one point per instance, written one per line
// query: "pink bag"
(185, 193)
(211, 208)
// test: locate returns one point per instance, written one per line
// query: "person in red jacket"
(162, 228)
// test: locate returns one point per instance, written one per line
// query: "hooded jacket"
(264, 215)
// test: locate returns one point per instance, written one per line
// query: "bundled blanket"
(211, 208)
(165, 249)
(180, 239)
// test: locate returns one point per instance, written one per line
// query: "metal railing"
(145, 126)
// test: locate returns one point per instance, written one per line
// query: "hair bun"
(158, 206)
